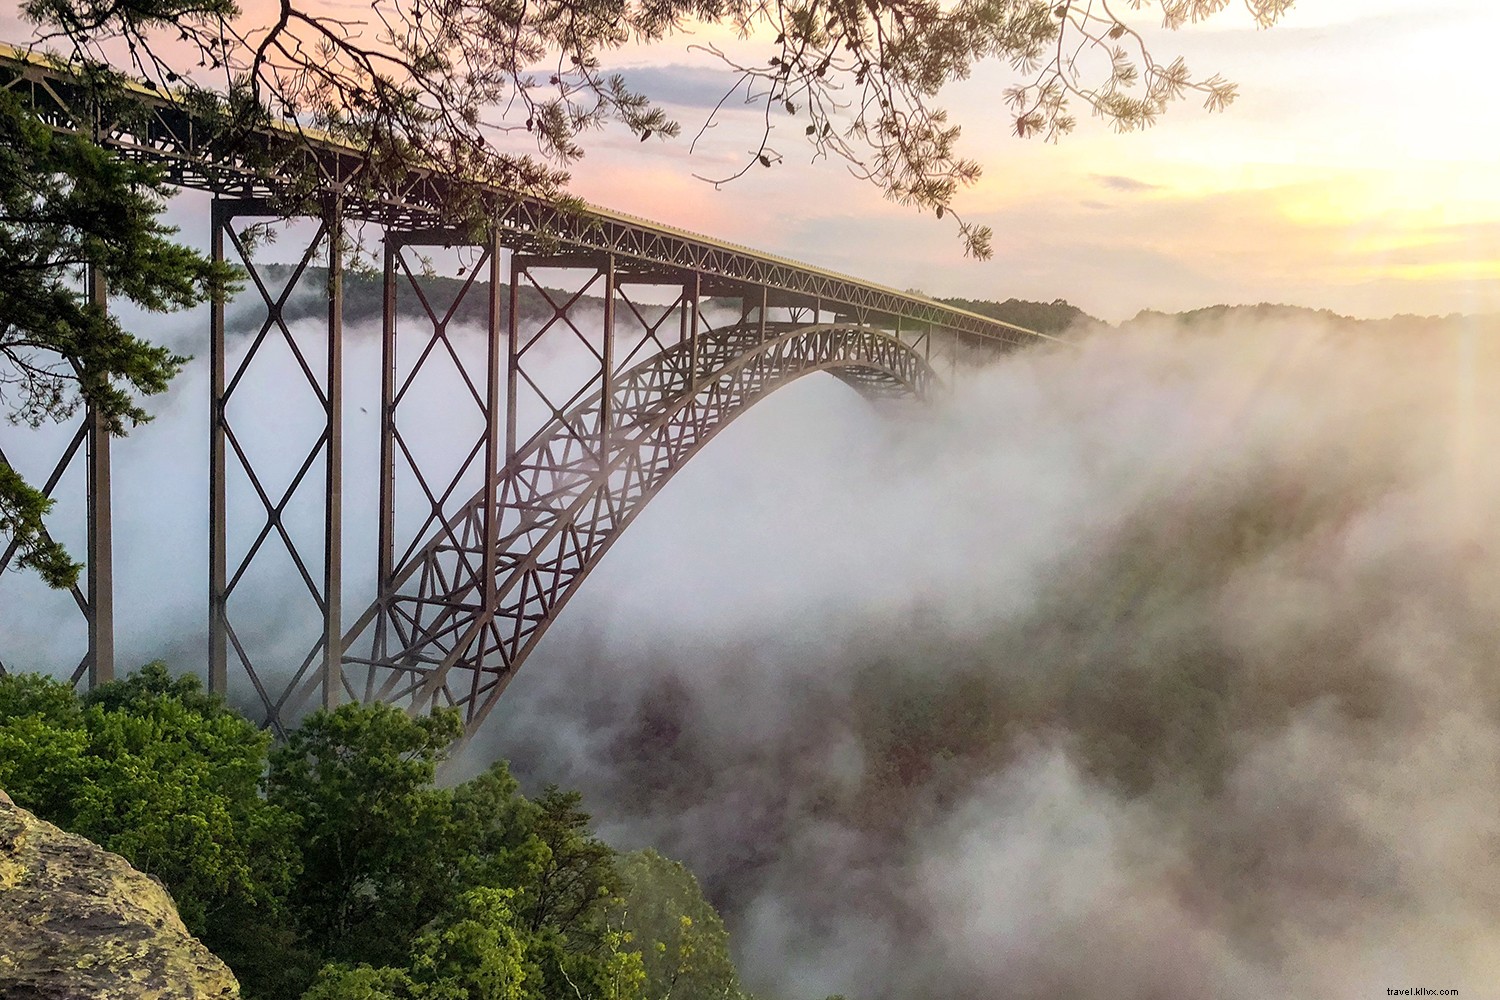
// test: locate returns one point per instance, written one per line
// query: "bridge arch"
(457, 622)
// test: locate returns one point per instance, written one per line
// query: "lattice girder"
(457, 649)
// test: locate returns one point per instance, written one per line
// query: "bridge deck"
(283, 160)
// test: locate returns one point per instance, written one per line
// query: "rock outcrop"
(79, 922)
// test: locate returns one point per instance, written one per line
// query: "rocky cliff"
(78, 922)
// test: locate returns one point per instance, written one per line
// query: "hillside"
(1053, 317)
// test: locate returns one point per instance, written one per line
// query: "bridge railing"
(287, 161)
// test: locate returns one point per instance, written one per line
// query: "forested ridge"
(335, 866)
(363, 300)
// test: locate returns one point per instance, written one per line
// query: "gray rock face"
(78, 922)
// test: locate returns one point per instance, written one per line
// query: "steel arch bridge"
(673, 335)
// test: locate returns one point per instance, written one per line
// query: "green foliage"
(23, 512)
(688, 954)
(577, 874)
(38, 697)
(361, 780)
(609, 969)
(492, 839)
(1055, 317)
(139, 692)
(66, 203)
(474, 952)
(159, 772)
(333, 866)
(43, 745)
(363, 982)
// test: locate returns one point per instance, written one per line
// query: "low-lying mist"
(1161, 667)
(1165, 668)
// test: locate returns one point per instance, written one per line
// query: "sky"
(1354, 172)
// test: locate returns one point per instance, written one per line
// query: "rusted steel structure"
(475, 556)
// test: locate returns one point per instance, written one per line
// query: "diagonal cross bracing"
(279, 162)
(461, 650)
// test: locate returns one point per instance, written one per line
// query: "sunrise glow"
(1355, 172)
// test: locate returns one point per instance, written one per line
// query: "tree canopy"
(334, 867)
(503, 91)
(156, 770)
(66, 203)
(689, 958)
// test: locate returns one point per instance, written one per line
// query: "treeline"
(364, 299)
(333, 867)
(363, 302)
(1053, 317)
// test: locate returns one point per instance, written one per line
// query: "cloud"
(696, 87)
(1127, 184)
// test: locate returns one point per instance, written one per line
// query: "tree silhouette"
(502, 91)
(493, 92)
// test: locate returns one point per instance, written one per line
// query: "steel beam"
(496, 438)
(694, 294)
(101, 556)
(512, 357)
(386, 531)
(333, 492)
(607, 358)
(218, 641)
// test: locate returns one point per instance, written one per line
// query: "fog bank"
(1164, 668)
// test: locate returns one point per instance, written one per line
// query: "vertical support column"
(386, 529)
(694, 292)
(333, 525)
(512, 359)
(765, 298)
(101, 559)
(607, 386)
(493, 441)
(218, 647)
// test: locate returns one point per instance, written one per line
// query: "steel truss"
(282, 162)
(455, 621)
(97, 601)
(319, 572)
